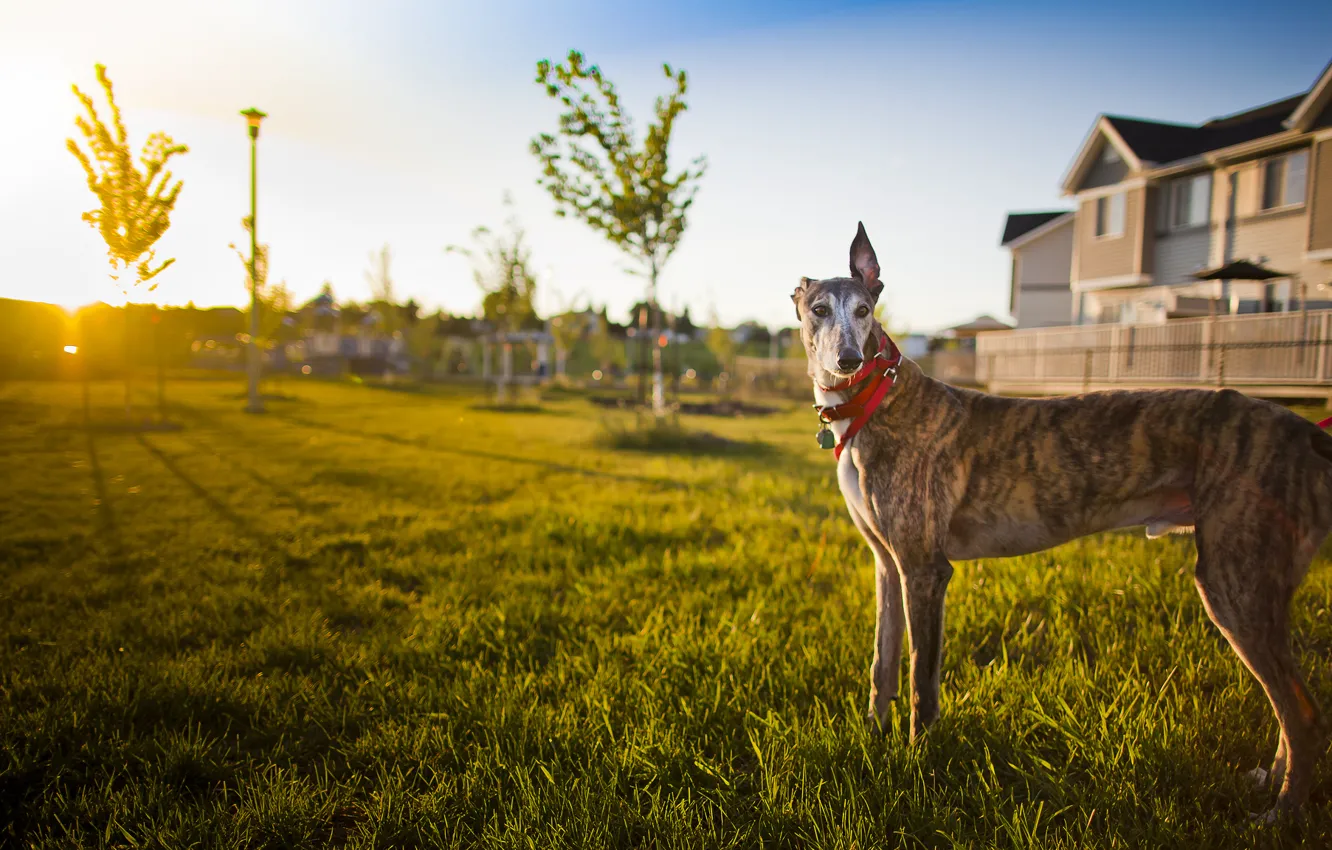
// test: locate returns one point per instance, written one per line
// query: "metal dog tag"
(826, 439)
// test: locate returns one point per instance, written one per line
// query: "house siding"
(1146, 251)
(1180, 253)
(1039, 266)
(1320, 199)
(1101, 258)
(1324, 120)
(1105, 174)
(1042, 309)
(1277, 240)
(1248, 189)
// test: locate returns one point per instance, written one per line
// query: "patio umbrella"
(1240, 270)
(1244, 270)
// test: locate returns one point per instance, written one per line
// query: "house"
(1157, 203)
(1041, 245)
(334, 340)
(963, 336)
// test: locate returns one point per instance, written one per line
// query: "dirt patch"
(672, 439)
(734, 409)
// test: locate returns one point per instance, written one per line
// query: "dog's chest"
(848, 481)
(828, 398)
(848, 477)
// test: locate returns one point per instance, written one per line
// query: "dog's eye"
(820, 311)
(862, 311)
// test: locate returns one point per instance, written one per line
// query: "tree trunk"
(658, 383)
(129, 405)
(161, 371)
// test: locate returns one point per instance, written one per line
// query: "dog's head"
(837, 315)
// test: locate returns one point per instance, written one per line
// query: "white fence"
(1275, 354)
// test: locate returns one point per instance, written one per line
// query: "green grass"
(385, 619)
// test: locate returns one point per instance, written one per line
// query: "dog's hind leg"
(1246, 584)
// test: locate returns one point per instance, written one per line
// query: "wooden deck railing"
(1277, 354)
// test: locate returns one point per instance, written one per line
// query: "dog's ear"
(864, 265)
(799, 294)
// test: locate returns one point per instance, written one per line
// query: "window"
(1190, 198)
(1110, 215)
(1297, 169)
(1284, 180)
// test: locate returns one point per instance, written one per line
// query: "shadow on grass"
(517, 408)
(272, 486)
(242, 524)
(145, 427)
(266, 397)
(474, 453)
(106, 517)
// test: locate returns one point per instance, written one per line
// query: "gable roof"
(1319, 96)
(1145, 143)
(983, 322)
(1018, 225)
(1161, 142)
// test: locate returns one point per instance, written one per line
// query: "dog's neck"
(831, 398)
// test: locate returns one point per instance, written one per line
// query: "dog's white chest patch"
(848, 477)
(848, 481)
(831, 399)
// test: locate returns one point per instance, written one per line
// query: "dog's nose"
(849, 364)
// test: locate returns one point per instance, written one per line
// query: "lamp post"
(253, 117)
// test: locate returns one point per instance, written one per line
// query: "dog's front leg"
(889, 623)
(888, 626)
(925, 580)
(888, 618)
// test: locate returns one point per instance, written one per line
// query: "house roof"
(1153, 143)
(1160, 141)
(1320, 95)
(1019, 224)
(1026, 224)
(984, 322)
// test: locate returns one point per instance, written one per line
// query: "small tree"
(501, 268)
(382, 296)
(595, 169)
(722, 345)
(567, 329)
(605, 350)
(423, 343)
(135, 201)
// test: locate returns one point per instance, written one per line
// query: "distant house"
(914, 346)
(965, 333)
(332, 342)
(1041, 246)
(1159, 202)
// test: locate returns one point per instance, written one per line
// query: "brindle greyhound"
(935, 473)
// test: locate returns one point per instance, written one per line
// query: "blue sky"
(406, 122)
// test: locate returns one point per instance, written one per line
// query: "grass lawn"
(377, 618)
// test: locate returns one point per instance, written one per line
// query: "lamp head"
(253, 117)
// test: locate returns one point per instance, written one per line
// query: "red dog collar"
(881, 374)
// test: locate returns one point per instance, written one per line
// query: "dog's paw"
(1276, 814)
(877, 726)
(1258, 776)
(1273, 815)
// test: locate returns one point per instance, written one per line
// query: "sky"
(406, 123)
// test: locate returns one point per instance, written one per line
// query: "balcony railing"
(1280, 354)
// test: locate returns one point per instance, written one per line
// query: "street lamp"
(253, 117)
